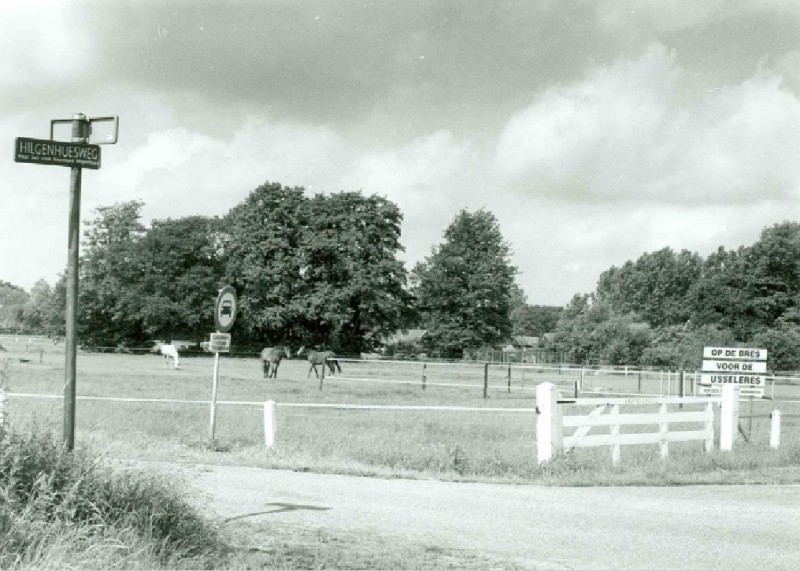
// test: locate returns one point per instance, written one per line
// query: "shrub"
(50, 496)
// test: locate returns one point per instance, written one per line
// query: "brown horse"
(320, 358)
(271, 358)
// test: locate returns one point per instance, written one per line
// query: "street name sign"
(59, 153)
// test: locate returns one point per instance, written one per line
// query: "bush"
(49, 496)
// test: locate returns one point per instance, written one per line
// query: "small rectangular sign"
(734, 353)
(716, 390)
(639, 400)
(731, 378)
(59, 153)
(735, 366)
(220, 343)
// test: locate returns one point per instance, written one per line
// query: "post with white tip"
(269, 423)
(549, 429)
(775, 430)
(728, 416)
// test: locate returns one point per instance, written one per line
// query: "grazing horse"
(271, 358)
(320, 358)
(168, 351)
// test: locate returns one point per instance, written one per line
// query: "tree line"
(322, 271)
(661, 309)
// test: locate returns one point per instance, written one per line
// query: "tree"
(353, 290)
(590, 331)
(264, 260)
(719, 297)
(12, 302)
(773, 275)
(463, 289)
(319, 271)
(783, 347)
(33, 315)
(533, 320)
(179, 271)
(107, 302)
(656, 286)
(681, 347)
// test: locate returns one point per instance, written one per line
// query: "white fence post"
(614, 430)
(728, 417)
(663, 430)
(775, 431)
(549, 429)
(269, 423)
(708, 444)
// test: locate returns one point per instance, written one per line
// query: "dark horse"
(320, 358)
(271, 358)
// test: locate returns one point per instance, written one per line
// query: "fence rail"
(551, 422)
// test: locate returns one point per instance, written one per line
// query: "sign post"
(220, 342)
(77, 154)
(740, 366)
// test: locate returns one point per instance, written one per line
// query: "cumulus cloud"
(41, 39)
(627, 133)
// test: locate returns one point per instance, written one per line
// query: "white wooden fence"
(551, 422)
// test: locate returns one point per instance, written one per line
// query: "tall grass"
(65, 510)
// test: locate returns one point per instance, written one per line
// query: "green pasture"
(164, 414)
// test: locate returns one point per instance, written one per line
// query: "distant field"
(164, 414)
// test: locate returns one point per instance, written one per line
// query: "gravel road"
(687, 527)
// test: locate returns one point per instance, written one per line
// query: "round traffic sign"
(225, 309)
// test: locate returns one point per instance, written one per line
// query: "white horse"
(170, 352)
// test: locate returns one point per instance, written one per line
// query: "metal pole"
(214, 396)
(73, 241)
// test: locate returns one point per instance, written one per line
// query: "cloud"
(430, 179)
(41, 39)
(631, 132)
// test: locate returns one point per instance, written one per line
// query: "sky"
(594, 131)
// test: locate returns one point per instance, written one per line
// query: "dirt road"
(689, 527)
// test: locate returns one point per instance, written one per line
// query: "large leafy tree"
(108, 303)
(719, 297)
(262, 243)
(464, 288)
(320, 271)
(656, 286)
(353, 291)
(179, 271)
(772, 275)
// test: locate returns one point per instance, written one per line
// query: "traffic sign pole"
(224, 316)
(70, 370)
(214, 396)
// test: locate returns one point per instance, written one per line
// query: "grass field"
(485, 445)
